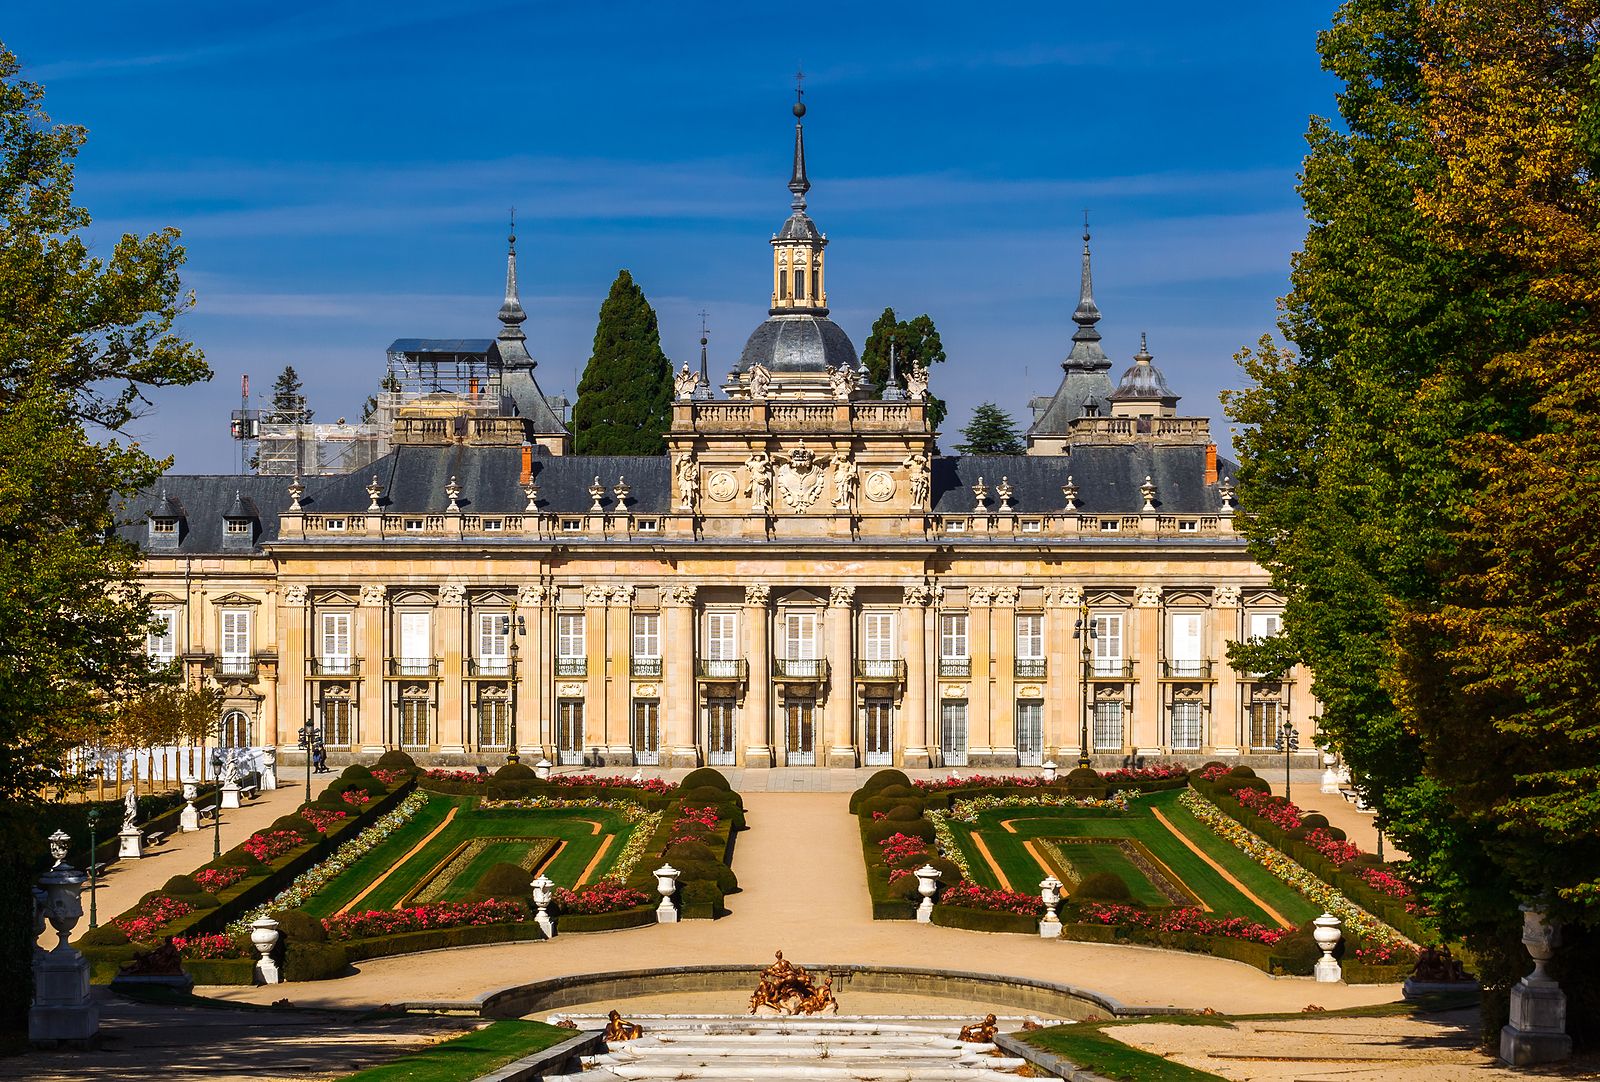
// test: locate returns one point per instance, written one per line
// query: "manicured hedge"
(983, 920)
(1264, 957)
(221, 970)
(637, 917)
(432, 939)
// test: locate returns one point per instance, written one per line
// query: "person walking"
(319, 757)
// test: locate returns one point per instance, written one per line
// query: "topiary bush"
(515, 772)
(1298, 951)
(396, 760)
(1102, 887)
(1241, 772)
(886, 828)
(505, 881)
(686, 851)
(181, 884)
(299, 926)
(311, 961)
(107, 935)
(880, 780)
(356, 770)
(709, 871)
(1313, 820)
(885, 805)
(903, 813)
(705, 776)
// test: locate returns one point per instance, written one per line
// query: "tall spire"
(511, 312)
(799, 185)
(702, 389)
(1086, 351)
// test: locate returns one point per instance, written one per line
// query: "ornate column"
(619, 702)
(1061, 687)
(980, 718)
(913, 721)
(680, 697)
(839, 713)
(1222, 735)
(532, 705)
(1144, 728)
(1074, 686)
(756, 718)
(452, 728)
(288, 707)
(373, 712)
(596, 707)
(1003, 646)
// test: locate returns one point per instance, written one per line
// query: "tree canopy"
(289, 405)
(916, 341)
(82, 339)
(625, 396)
(1418, 469)
(991, 432)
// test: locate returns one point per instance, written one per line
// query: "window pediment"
(234, 600)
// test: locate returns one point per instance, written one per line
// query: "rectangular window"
(1030, 637)
(646, 732)
(237, 526)
(235, 640)
(1030, 733)
(720, 649)
(800, 644)
(1185, 726)
(494, 723)
(569, 732)
(332, 525)
(799, 285)
(1032, 525)
(646, 644)
(414, 723)
(1107, 726)
(953, 732)
(494, 644)
(572, 525)
(1184, 652)
(333, 645)
(647, 525)
(162, 643)
(1110, 525)
(1188, 525)
(493, 525)
(1263, 725)
(413, 524)
(879, 648)
(164, 525)
(416, 644)
(572, 651)
(1264, 625)
(1108, 644)
(816, 283)
(954, 658)
(337, 731)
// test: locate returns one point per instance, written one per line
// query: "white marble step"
(877, 1071)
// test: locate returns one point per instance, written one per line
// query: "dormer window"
(237, 526)
(164, 525)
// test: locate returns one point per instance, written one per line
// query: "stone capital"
(532, 596)
(757, 594)
(596, 596)
(372, 595)
(1005, 596)
(842, 597)
(677, 593)
(452, 593)
(980, 596)
(1147, 596)
(622, 596)
(294, 595)
(1225, 597)
(917, 595)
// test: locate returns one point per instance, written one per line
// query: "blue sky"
(341, 174)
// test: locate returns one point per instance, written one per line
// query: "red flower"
(151, 916)
(385, 922)
(606, 896)
(1178, 921)
(903, 850)
(210, 946)
(272, 845)
(972, 896)
(355, 797)
(321, 820)
(215, 880)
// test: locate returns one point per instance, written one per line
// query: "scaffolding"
(311, 450)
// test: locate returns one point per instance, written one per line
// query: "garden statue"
(787, 989)
(619, 1028)
(980, 1032)
(130, 839)
(684, 383)
(130, 807)
(163, 961)
(1436, 966)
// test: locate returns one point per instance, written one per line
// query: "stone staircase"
(868, 1049)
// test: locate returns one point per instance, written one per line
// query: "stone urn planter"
(1327, 932)
(667, 885)
(1050, 895)
(543, 892)
(927, 885)
(264, 937)
(1537, 1032)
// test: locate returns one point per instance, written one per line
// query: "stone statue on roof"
(685, 382)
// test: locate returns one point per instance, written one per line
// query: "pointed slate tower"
(519, 391)
(1085, 387)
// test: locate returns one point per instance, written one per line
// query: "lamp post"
(511, 623)
(94, 820)
(1288, 742)
(216, 813)
(1084, 631)
(308, 741)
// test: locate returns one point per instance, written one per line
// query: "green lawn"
(520, 837)
(468, 1056)
(1140, 825)
(1094, 1050)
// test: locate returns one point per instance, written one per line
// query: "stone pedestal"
(230, 794)
(130, 843)
(1327, 933)
(269, 769)
(1537, 1032)
(61, 1009)
(189, 818)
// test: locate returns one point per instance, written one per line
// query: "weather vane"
(799, 84)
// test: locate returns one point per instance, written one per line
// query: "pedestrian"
(319, 757)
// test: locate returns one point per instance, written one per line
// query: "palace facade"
(803, 580)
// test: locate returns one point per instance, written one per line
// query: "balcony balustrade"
(1032, 668)
(572, 666)
(333, 666)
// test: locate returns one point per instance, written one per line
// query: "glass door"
(880, 732)
(953, 734)
(569, 732)
(646, 732)
(800, 733)
(720, 734)
(1030, 733)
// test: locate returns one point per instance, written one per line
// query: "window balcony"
(811, 669)
(1032, 668)
(885, 671)
(645, 666)
(722, 671)
(489, 668)
(423, 668)
(572, 666)
(234, 667)
(955, 666)
(332, 666)
(1105, 668)
(1185, 669)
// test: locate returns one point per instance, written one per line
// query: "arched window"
(799, 284)
(236, 729)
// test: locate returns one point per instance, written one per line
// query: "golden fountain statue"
(980, 1032)
(786, 988)
(620, 1029)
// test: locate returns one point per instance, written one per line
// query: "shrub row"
(1385, 907)
(984, 920)
(890, 794)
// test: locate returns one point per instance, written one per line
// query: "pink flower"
(321, 820)
(215, 880)
(971, 896)
(151, 916)
(272, 845)
(209, 946)
(606, 896)
(385, 922)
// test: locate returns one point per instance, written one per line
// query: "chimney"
(527, 464)
(472, 388)
(1211, 463)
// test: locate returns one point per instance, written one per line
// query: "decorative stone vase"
(269, 769)
(1050, 895)
(264, 937)
(1537, 1032)
(541, 769)
(62, 1010)
(189, 818)
(927, 885)
(1050, 769)
(1327, 932)
(667, 884)
(543, 892)
(1330, 780)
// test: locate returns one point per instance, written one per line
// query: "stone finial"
(980, 493)
(1069, 493)
(917, 383)
(296, 490)
(621, 491)
(530, 492)
(1225, 490)
(1004, 490)
(452, 492)
(374, 493)
(1148, 492)
(597, 491)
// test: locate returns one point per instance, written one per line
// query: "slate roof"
(205, 500)
(798, 343)
(1108, 479)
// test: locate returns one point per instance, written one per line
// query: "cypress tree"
(916, 341)
(991, 432)
(288, 399)
(625, 395)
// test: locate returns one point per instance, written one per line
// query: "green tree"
(625, 396)
(916, 341)
(289, 399)
(82, 339)
(991, 432)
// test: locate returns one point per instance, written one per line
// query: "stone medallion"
(879, 486)
(722, 486)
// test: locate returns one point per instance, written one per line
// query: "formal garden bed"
(1142, 859)
(390, 860)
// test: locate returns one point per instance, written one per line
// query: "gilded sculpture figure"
(619, 1028)
(786, 989)
(980, 1032)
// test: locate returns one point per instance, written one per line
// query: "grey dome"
(798, 343)
(1143, 381)
(799, 227)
